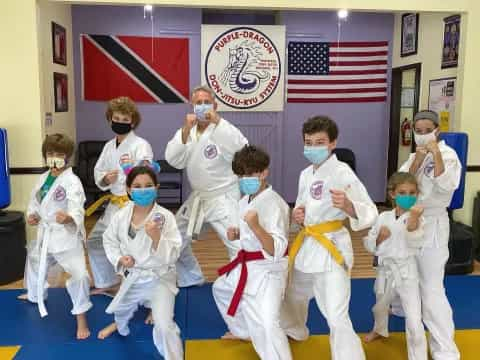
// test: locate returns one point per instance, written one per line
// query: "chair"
(87, 156)
(347, 156)
(169, 183)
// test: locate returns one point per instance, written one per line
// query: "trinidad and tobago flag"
(142, 68)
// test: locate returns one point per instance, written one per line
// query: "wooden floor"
(211, 254)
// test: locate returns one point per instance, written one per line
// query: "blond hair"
(123, 105)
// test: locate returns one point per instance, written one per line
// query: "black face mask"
(121, 128)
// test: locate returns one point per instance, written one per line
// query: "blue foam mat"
(195, 312)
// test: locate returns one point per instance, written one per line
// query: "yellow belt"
(317, 232)
(119, 200)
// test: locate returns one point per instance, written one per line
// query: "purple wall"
(363, 127)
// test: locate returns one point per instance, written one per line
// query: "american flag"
(345, 72)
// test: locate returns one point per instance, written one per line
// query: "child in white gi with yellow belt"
(322, 255)
(250, 289)
(143, 243)
(118, 155)
(56, 208)
(395, 239)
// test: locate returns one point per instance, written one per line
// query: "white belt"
(197, 214)
(133, 275)
(44, 231)
(391, 268)
(435, 211)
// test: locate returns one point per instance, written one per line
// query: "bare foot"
(107, 331)
(23, 297)
(149, 319)
(229, 336)
(372, 336)
(111, 291)
(82, 327)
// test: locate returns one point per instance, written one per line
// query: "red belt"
(242, 258)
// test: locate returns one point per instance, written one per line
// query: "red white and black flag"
(143, 68)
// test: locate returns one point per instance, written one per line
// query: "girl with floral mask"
(395, 239)
(143, 243)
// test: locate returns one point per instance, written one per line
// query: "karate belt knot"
(242, 258)
(118, 200)
(318, 232)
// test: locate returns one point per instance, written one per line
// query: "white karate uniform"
(134, 148)
(258, 314)
(435, 196)
(397, 273)
(152, 279)
(208, 162)
(315, 271)
(57, 242)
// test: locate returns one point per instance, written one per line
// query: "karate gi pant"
(157, 296)
(73, 262)
(331, 290)
(409, 293)
(188, 269)
(436, 310)
(103, 272)
(257, 317)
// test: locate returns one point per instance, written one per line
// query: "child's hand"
(110, 177)
(432, 147)
(416, 211)
(127, 261)
(153, 230)
(383, 234)
(62, 217)
(33, 219)
(233, 233)
(298, 215)
(341, 201)
(251, 218)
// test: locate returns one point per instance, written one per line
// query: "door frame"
(396, 93)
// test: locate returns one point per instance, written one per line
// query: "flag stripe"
(358, 72)
(298, 83)
(338, 90)
(359, 44)
(337, 95)
(357, 63)
(333, 59)
(338, 100)
(336, 77)
(359, 53)
(137, 69)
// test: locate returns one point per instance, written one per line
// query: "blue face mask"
(201, 109)
(405, 201)
(249, 185)
(316, 154)
(144, 196)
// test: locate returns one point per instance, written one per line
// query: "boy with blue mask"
(249, 290)
(437, 169)
(204, 147)
(321, 257)
(395, 239)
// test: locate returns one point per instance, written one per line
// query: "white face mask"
(55, 162)
(422, 140)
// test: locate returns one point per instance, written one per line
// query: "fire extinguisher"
(406, 129)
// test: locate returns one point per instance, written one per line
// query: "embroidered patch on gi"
(210, 151)
(124, 158)
(60, 193)
(159, 219)
(316, 190)
(429, 168)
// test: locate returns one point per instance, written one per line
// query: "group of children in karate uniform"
(142, 253)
